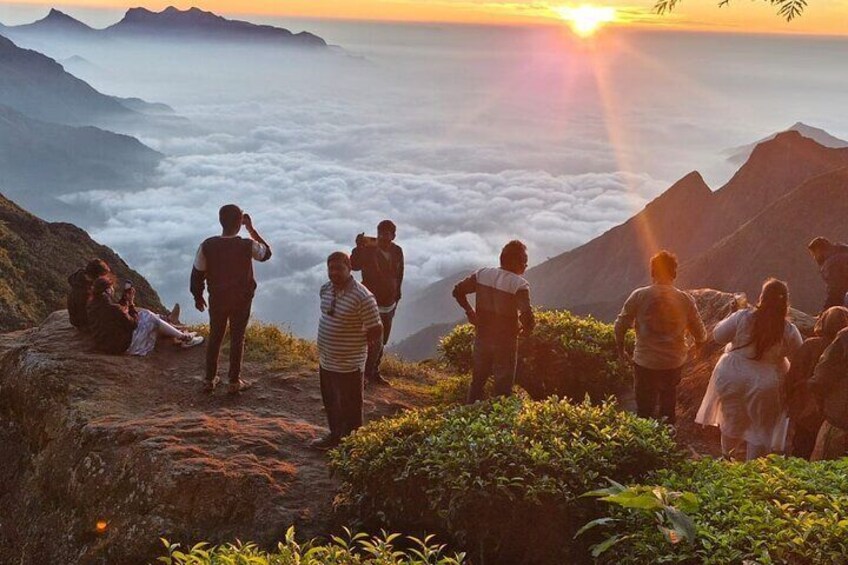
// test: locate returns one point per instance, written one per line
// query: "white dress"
(743, 397)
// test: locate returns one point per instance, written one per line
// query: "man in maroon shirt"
(225, 264)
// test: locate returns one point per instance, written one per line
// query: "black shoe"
(325, 443)
(378, 381)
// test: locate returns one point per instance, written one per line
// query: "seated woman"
(743, 397)
(830, 386)
(805, 417)
(80, 292)
(122, 328)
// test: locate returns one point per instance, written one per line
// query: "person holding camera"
(224, 263)
(119, 327)
(381, 263)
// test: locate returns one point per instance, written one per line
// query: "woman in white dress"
(743, 397)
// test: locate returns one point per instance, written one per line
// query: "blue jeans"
(493, 358)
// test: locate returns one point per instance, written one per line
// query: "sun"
(586, 19)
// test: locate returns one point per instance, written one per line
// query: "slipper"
(239, 386)
(209, 386)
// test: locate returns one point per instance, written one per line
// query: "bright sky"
(821, 16)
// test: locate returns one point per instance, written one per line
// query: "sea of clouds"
(465, 137)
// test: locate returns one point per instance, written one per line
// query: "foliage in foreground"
(773, 510)
(502, 479)
(357, 549)
(566, 355)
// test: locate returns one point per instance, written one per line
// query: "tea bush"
(501, 479)
(773, 510)
(566, 355)
(357, 549)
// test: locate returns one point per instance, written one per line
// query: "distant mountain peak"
(205, 25)
(58, 19)
(739, 155)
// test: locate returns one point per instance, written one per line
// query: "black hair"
(512, 253)
(339, 256)
(387, 225)
(97, 268)
(664, 265)
(230, 217)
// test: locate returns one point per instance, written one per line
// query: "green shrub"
(501, 479)
(267, 343)
(773, 510)
(566, 355)
(358, 549)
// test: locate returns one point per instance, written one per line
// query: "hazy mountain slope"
(198, 24)
(433, 304)
(603, 269)
(774, 244)
(739, 155)
(55, 23)
(40, 160)
(39, 87)
(423, 344)
(36, 258)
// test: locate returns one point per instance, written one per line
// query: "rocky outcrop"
(132, 442)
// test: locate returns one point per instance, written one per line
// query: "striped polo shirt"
(346, 316)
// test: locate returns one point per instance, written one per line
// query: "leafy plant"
(667, 508)
(356, 549)
(502, 479)
(566, 355)
(787, 9)
(768, 511)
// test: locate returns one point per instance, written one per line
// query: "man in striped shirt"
(350, 321)
(502, 293)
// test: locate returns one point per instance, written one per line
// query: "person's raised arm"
(261, 249)
(460, 294)
(198, 279)
(624, 322)
(356, 253)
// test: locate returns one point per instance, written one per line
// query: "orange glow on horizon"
(586, 19)
(691, 15)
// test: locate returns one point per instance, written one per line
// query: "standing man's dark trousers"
(493, 358)
(342, 396)
(234, 313)
(656, 392)
(375, 352)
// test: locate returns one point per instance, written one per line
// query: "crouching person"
(350, 321)
(502, 294)
(119, 327)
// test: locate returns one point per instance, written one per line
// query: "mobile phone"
(128, 284)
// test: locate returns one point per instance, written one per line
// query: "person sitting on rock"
(805, 417)
(503, 306)
(225, 264)
(80, 293)
(832, 259)
(830, 386)
(662, 315)
(119, 327)
(350, 322)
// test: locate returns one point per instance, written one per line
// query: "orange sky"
(821, 17)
